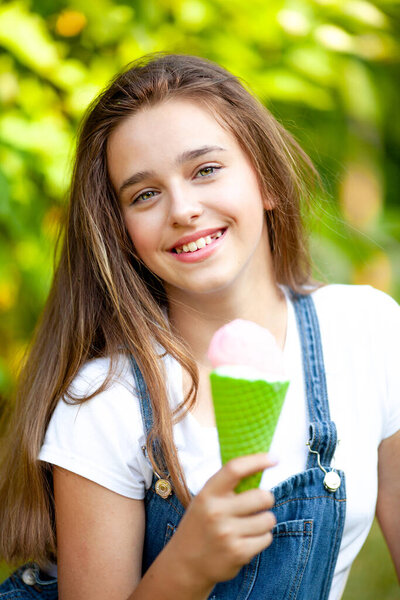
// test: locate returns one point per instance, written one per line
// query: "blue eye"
(144, 196)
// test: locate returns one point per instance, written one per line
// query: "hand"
(221, 530)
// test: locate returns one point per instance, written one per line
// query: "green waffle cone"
(246, 414)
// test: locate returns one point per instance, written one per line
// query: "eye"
(207, 171)
(144, 196)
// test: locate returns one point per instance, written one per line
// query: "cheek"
(142, 236)
(243, 200)
(242, 189)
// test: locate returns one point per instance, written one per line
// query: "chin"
(209, 287)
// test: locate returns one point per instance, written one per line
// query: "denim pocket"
(284, 562)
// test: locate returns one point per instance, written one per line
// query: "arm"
(388, 506)
(100, 538)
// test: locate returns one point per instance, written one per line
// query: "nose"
(185, 206)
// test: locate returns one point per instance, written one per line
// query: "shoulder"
(355, 304)
(362, 296)
(359, 321)
(106, 388)
(102, 391)
(112, 376)
(360, 332)
(96, 431)
(102, 394)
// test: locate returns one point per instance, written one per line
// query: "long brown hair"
(103, 299)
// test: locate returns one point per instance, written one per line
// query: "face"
(190, 198)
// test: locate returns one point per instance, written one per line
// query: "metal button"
(163, 488)
(29, 577)
(332, 481)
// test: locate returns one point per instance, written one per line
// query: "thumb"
(227, 478)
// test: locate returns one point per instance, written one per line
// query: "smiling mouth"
(198, 244)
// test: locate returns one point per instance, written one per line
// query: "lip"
(186, 239)
(202, 253)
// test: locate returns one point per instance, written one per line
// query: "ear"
(269, 202)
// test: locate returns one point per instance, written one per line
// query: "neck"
(196, 318)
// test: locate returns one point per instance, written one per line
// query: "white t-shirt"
(101, 439)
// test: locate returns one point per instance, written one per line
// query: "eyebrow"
(186, 156)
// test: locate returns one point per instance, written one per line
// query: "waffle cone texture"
(246, 414)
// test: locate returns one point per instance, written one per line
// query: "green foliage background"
(328, 69)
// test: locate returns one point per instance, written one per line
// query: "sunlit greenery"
(328, 69)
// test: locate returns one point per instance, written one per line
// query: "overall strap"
(323, 434)
(144, 398)
(146, 408)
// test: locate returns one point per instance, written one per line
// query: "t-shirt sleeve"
(387, 319)
(101, 438)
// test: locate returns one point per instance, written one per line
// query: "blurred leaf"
(359, 93)
(377, 271)
(26, 35)
(334, 37)
(365, 13)
(314, 62)
(361, 195)
(70, 23)
(281, 84)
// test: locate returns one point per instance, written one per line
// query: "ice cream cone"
(246, 412)
(248, 386)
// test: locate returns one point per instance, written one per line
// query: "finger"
(254, 545)
(227, 478)
(255, 525)
(250, 502)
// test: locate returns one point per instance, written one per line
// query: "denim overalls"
(301, 560)
(309, 506)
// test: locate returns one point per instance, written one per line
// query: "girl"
(185, 214)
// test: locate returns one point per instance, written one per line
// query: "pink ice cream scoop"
(245, 343)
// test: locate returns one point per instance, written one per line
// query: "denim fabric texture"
(29, 583)
(300, 562)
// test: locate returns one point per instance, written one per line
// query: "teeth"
(200, 243)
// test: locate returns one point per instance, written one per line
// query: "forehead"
(161, 130)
